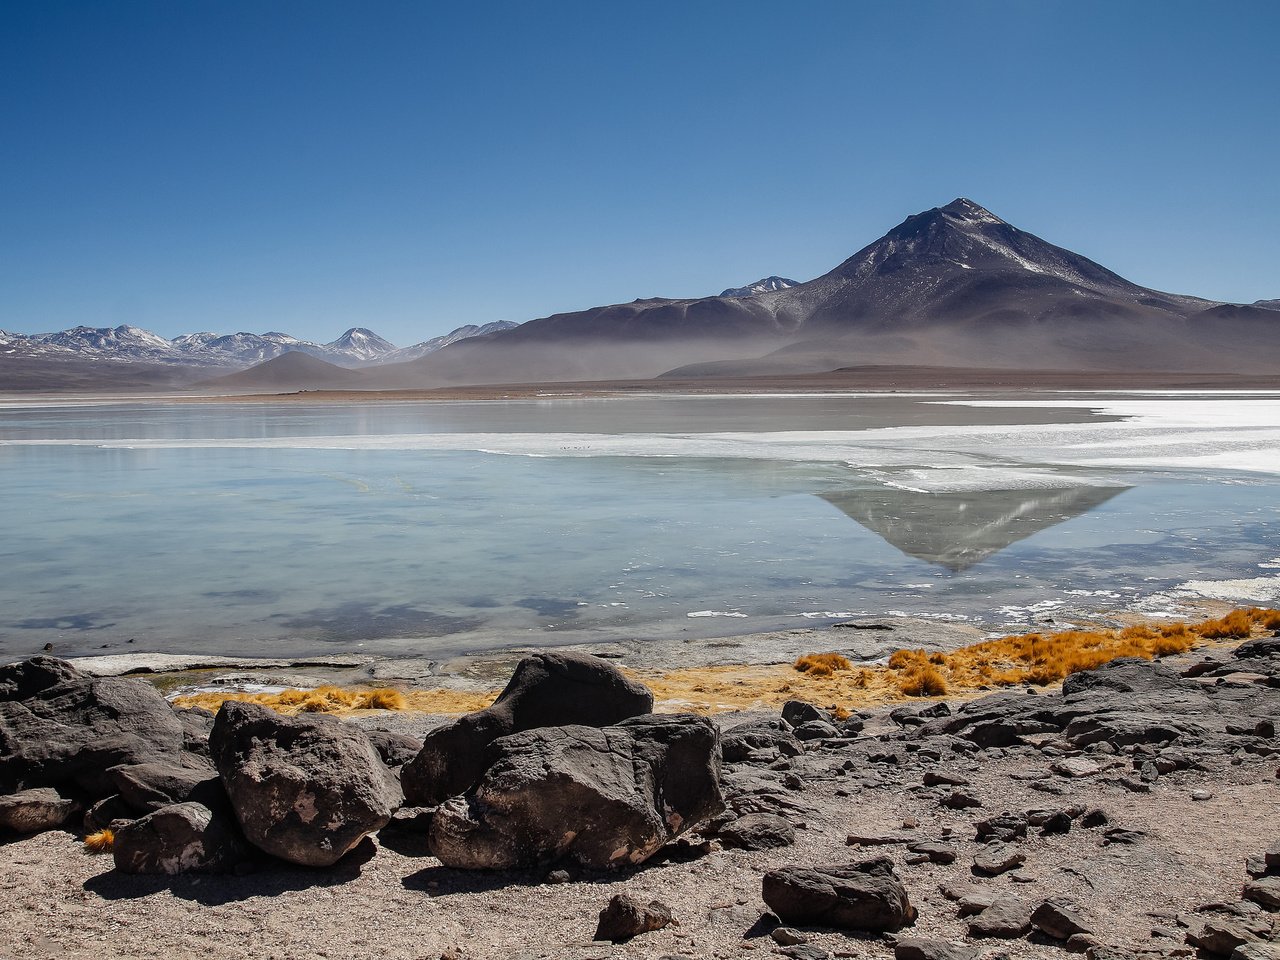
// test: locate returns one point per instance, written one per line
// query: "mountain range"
(953, 286)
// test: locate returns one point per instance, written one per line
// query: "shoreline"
(872, 378)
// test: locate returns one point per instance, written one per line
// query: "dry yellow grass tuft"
(340, 700)
(822, 664)
(101, 842)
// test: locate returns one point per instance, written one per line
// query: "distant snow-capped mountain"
(767, 285)
(357, 347)
(437, 343)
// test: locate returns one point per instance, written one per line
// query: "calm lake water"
(422, 528)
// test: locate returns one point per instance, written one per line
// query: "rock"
(796, 712)
(787, 936)
(305, 789)
(1005, 827)
(1264, 891)
(604, 797)
(626, 917)
(1201, 795)
(62, 728)
(1094, 817)
(997, 858)
(970, 898)
(816, 730)
(1256, 951)
(943, 853)
(857, 896)
(41, 808)
(742, 742)
(1076, 767)
(757, 831)
(546, 690)
(802, 951)
(940, 778)
(1223, 934)
(1272, 856)
(1006, 919)
(197, 723)
(146, 787)
(183, 838)
(920, 948)
(1121, 835)
(395, 749)
(106, 812)
(959, 800)
(1059, 919)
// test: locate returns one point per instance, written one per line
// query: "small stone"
(558, 876)
(1135, 786)
(1073, 767)
(943, 853)
(922, 948)
(959, 800)
(626, 917)
(940, 778)
(803, 951)
(1005, 919)
(1094, 817)
(787, 936)
(998, 858)
(1059, 919)
(1201, 795)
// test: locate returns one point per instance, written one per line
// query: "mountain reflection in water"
(957, 530)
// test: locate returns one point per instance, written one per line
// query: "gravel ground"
(400, 903)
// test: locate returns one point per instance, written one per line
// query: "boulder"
(146, 787)
(1006, 919)
(1265, 891)
(626, 917)
(855, 896)
(796, 712)
(746, 741)
(62, 728)
(604, 797)
(757, 831)
(546, 690)
(395, 749)
(921, 948)
(41, 808)
(997, 858)
(305, 789)
(182, 838)
(1059, 919)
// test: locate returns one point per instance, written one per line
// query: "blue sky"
(410, 167)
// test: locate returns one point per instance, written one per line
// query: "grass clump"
(339, 700)
(103, 841)
(917, 673)
(822, 664)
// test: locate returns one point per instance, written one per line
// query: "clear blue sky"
(410, 167)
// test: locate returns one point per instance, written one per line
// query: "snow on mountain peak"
(767, 285)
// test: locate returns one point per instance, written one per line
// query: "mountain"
(767, 285)
(131, 356)
(361, 344)
(954, 286)
(290, 371)
(437, 343)
(1267, 304)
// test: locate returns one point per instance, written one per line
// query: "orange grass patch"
(340, 700)
(101, 842)
(822, 664)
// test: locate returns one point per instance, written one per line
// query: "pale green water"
(264, 530)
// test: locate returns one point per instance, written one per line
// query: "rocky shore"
(1132, 813)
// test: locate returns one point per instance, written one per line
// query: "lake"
(435, 527)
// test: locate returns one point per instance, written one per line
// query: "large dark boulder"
(546, 690)
(625, 917)
(182, 838)
(305, 789)
(62, 728)
(146, 787)
(604, 797)
(854, 896)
